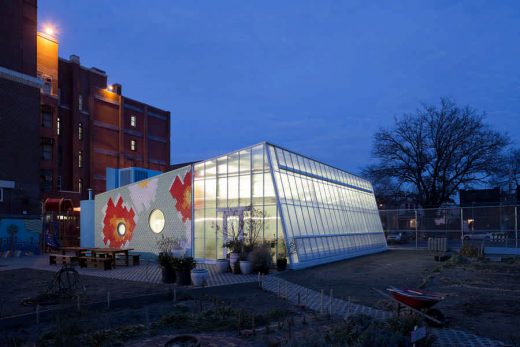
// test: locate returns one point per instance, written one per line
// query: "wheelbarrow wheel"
(434, 313)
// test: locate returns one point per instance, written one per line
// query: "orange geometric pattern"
(181, 192)
(116, 215)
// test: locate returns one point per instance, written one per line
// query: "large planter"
(281, 264)
(222, 265)
(233, 258)
(183, 278)
(168, 274)
(246, 267)
(199, 277)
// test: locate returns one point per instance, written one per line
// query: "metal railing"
(495, 226)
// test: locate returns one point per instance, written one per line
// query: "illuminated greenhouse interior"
(308, 211)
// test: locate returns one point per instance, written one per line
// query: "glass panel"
(222, 166)
(233, 191)
(258, 158)
(258, 188)
(222, 192)
(245, 190)
(199, 234)
(233, 163)
(210, 189)
(210, 169)
(199, 193)
(199, 170)
(245, 161)
(210, 244)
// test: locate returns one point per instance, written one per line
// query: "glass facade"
(274, 195)
(234, 193)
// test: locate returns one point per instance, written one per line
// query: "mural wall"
(140, 214)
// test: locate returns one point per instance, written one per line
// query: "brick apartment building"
(75, 125)
(19, 109)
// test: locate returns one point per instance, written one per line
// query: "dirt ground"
(482, 297)
(18, 285)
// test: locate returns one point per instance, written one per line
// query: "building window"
(80, 185)
(80, 131)
(58, 125)
(46, 114)
(46, 180)
(58, 183)
(46, 147)
(133, 121)
(156, 221)
(80, 159)
(132, 145)
(80, 102)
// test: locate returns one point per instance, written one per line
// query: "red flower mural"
(181, 192)
(118, 224)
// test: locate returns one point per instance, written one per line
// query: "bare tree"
(437, 150)
(508, 175)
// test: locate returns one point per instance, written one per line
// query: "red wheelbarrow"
(418, 301)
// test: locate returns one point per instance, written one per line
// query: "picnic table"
(79, 251)
(112, 253)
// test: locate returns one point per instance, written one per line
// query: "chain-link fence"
(493, 226)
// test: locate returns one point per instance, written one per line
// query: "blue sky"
(318, 77)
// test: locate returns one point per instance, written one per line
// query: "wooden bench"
(96, 262)
(55, 259)
(135, 259)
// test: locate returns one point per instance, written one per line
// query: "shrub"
(261, 259)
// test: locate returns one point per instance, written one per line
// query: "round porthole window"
(156, 221)
(121, 229)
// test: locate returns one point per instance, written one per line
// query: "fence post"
(416, 226)
(516, 226)
(462, 226)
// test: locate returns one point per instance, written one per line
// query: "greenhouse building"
(309, 212)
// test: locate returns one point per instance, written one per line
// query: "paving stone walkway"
(148, 272)
(325, 303)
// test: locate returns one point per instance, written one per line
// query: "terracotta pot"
(168, 274)
(246, 267)
(183, 278)
(222, 265)
(281, 264)
(199, 277)
(233, 258)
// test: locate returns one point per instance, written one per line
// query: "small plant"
(183, 264)
(261, 258)
(469, 250)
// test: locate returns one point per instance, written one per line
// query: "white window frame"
(133, 121)
(132, 145)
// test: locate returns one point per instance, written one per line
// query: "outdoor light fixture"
(156, 221)
(121, 229)
(110, 87)
(49, 30)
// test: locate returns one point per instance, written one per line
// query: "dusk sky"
(317, 77)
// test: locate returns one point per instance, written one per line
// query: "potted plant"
(222, 265)
(261, 259)
(245, 265)
(199, 277)
(166, 245)
(168, 272)
(235, 246)
(183, 267)
(281, 260)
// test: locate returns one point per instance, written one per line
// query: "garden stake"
(321, 301)
(108, 300)
(330, 302)
(238, 323)
(147, 318)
